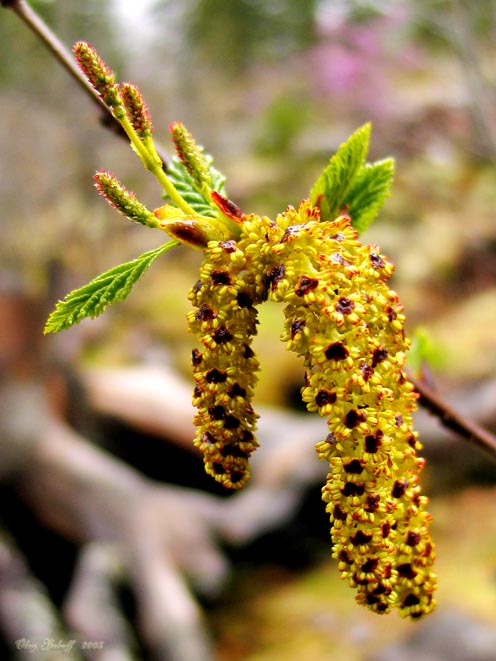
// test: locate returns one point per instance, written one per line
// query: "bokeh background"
(271, 88)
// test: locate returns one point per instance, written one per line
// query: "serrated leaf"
(370, 189)
(186, 187)
(331, 188)
(109, 287)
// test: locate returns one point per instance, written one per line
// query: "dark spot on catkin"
(380, 354)
(354, 418)
(231, 422)
(305, 285)
(360, 537)
(275, 275)
(220, 277)
(222, 336)
(353, 489)
(336, 351)
(297, 326)
(354, 467)
(205, 313)
(196, 357)
(345, 305)
(399, 488)
(244, 299)
(324, 397)
(215, 375)
(376, 260)
(236, 391)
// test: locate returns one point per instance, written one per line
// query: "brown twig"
(453, 420)
(36, 24)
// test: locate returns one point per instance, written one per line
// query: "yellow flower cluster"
(225, 367)
(346, 323)
(341, 317)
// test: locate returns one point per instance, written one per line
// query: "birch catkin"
(340, 317)
(346, 323)
(225, 367)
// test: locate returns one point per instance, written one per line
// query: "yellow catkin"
(225, 366)
(346, 323)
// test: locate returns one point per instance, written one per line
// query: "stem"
(153, 163)
(36, 24)
(170, 189)
(121, 127)
(453, 420)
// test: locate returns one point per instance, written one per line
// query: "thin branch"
(453, 420)
(36, 24)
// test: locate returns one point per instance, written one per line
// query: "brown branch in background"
(453, 420)
(26, 610)
(36, 24)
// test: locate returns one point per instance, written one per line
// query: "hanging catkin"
(225, 366)
(346, 323)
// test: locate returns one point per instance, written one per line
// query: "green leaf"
(188, 190)
(370, 189)
(424, 351)
(107, 288)
(331, 189)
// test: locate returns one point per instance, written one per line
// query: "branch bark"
(454, 420)
(63, 55)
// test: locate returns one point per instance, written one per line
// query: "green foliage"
(424, 351)
(186, 187)
(331, 188)
(369, 191)
(348, 182)
(109, 287)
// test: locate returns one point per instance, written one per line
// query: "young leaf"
(424, 352)
(186, 187)
(109, 287)
(331, 189)
(370, 189)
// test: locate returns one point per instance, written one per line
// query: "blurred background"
(270, 88)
